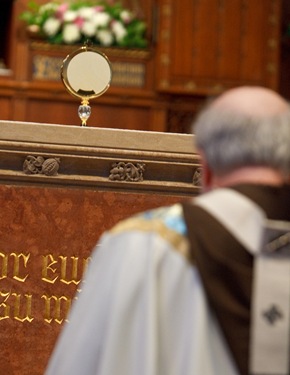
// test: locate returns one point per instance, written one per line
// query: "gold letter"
(85, 264)
(16, 266)
(3, 305)
(74, 271)
(17, 308)
(48, 267)
(57, 308)
(3, 274)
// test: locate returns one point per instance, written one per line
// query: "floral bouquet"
(104, 23)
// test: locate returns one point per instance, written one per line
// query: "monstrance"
(86, 73)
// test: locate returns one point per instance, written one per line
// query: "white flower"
(119, 30)
(101, 19)
(86, 12)
(126, 16)
(88, 28)
(51, 26)
(49, 7)
(105, 37)
(70, 21)
(71, 33)
(70, 16)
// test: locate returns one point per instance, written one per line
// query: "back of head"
(246, 126)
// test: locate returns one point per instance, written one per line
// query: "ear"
(207, 176)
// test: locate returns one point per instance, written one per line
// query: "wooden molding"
(87, 156)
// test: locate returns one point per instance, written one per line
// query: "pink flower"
(61, 10)
(79, 21)
(99, 8)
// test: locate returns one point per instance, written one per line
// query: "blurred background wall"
(196, 49)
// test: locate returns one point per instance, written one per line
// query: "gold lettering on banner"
(13, 300)
(54, 268)
(4, 306)
(17, 265)
(85, 264)
(4, 268)
(51, 266)
(57, 312)
(48, 262)
(74, 270)
(18, 258)
(17, 305)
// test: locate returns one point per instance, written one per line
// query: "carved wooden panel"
(206, 46)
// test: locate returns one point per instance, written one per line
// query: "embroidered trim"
(159, 221)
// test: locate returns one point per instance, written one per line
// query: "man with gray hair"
(203, 287)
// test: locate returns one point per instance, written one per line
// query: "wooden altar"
(61, 187)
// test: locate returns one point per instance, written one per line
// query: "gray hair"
(231, 139)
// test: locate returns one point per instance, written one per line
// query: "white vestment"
(142, 309)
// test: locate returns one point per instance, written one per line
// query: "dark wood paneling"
(208, 46)
(104, 116)
(5, 108)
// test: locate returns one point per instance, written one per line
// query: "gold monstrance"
(86, 73)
